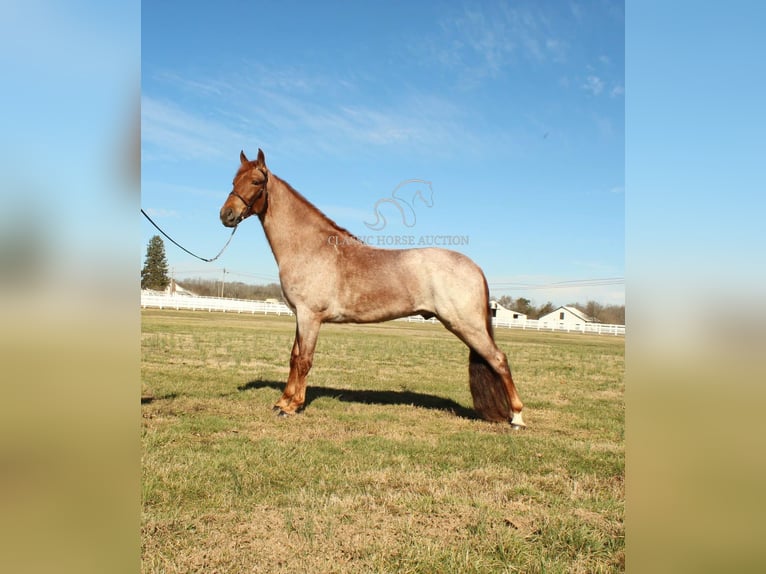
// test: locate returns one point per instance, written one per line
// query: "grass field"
(387, 470)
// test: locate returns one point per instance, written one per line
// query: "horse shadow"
(149, 398)
(370, 397)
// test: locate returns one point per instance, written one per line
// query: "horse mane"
(299, 196)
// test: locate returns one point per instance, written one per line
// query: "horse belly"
(377, 292)
(390, 284)
(371, 307)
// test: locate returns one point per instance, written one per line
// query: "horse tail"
(490, 398)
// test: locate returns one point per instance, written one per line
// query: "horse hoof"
(518, 427)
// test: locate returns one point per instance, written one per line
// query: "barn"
(503, 315)
(565, 317)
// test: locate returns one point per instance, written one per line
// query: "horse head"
(249, 192)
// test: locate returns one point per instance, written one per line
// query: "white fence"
(535, 325)
(274, 308)
(214, 304)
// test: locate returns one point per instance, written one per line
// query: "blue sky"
(514, 111)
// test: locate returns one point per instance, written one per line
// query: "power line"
(271, 278)
(513, 285)
(598, 282)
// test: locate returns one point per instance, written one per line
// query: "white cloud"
(557, 49)
(168, 131)
(156, 212)
(179, 190)
(482, 41)
(304, 117)
(594, 85)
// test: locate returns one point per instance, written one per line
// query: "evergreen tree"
(154, 274)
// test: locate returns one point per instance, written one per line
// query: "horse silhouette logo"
(412, 188)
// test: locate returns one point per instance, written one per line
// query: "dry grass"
(387, 470)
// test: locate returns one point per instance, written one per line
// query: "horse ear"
(243, 158)
(261, 158)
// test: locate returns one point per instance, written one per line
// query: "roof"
(495, 305)
(577, 313)
(574, 311)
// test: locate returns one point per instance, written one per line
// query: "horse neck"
(293, 225)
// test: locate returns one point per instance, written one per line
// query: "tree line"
(607, 314)
(231, 289)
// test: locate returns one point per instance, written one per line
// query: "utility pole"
(223, 280)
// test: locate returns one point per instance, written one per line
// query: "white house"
(501, 314)
(565, 318)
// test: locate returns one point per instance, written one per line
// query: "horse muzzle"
(229, 217)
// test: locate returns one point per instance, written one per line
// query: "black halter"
(256, 196)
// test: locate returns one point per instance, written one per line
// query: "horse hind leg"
(488, 393)
(493, 391)
(499, 363)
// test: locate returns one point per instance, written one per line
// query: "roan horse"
(329, 276)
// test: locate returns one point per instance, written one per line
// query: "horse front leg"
(292, 379)
(301, 358)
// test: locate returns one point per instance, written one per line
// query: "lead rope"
(184, 248)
